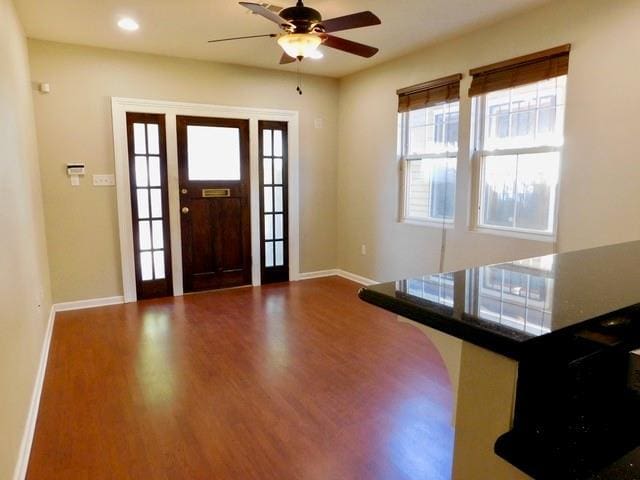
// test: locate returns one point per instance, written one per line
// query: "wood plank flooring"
(290, 381)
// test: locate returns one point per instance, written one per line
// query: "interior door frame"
(120, 106)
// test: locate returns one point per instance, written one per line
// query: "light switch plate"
(104, 180)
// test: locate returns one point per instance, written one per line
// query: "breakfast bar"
(540, 355)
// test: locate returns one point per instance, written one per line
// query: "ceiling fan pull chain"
(299, 87)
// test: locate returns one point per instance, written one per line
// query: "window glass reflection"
(516, 295)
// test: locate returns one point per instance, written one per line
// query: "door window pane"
(213, 153)
(158, 264)
(268, 199)
(266, 143)
(279, 254)
(139, 139)
(277, 171)
(268, 180)
(277, 143)
(145, 235)
(146, 266)
(153, 139)
(156, 203)
(278, 200)
(142, 179)
(158, 239)
(279, 224)
(268, 227)
(268, 254)
(143, 203)
(154, 171)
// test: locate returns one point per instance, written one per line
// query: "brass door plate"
(216, 192)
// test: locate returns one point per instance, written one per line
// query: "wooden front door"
(213, 162)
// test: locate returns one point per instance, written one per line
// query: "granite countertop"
(627, 468)
(507, 307)
(573, 309)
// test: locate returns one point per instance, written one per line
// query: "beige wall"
(74, 125)
(600, 190)
(24, 281)
(599, 196)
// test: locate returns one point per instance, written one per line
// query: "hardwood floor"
(287, 381)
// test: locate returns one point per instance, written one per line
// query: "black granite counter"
(508, 306)
(570, 321)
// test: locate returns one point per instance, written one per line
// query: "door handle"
(185, 209)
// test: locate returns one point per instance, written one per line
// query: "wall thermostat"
(75, 169)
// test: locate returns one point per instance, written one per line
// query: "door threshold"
(213, 290)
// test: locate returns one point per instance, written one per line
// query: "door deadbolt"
(185, 209)
(184, 191)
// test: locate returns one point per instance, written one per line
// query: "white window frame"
(405, 158)
(478, 157)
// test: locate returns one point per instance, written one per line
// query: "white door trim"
(119, 108)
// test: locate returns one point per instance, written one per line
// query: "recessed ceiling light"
(128, 24)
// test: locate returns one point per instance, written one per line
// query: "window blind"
(431, 93)
(520, 71)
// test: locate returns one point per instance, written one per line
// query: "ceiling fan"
(304, 31)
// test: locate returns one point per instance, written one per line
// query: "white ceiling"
(182, 27)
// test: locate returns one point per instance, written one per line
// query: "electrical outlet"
(104, 180)
(363, 249)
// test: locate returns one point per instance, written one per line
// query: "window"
(428, 148)
(149, 204)
(274, 210)
(519, 132)
(214, 153)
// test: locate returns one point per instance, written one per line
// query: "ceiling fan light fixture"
(299, 45)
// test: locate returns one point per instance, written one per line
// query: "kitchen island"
(537, 352)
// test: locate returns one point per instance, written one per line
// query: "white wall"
(24, 280)
(600, 190)
(74, 125)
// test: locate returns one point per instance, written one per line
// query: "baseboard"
(355, 278)
(337, 272)
(318, 274)
(91, 303)
(20, 471)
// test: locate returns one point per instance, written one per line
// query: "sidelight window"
(148, 199)
(273, 176)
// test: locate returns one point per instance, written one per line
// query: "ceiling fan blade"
(286, 59)
(355, 20)
(265, 12)
(349, 46)
(272, 35)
